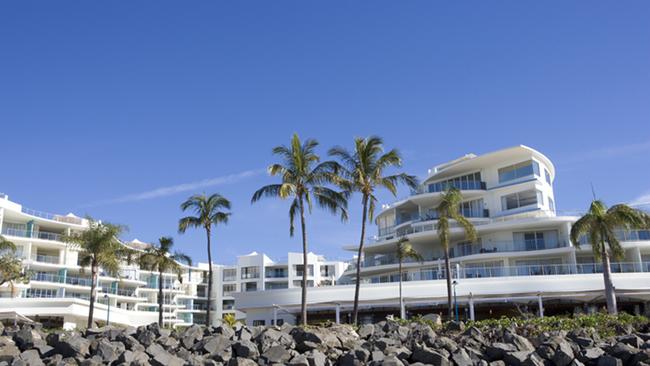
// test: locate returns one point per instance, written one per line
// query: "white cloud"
(179, 188)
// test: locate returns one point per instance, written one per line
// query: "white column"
(275, 315)
(637, 259)
(471, 307)
(338, 313)
(402, 309)
(540, 303)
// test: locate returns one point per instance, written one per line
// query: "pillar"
(471, 307)
(338, 313)
(402, 309)
(275, 315)
(540, 303)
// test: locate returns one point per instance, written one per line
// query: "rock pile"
(387, 343)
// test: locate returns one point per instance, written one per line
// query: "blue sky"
(121, 110)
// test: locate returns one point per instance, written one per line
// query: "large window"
(276, 286)
(229, 274)
(310, 269)
(250, 272)
(229, 289)
(551, 204)
(276, 272)
(469, 181)
(521, 199)
(520, 170)
(250, 286)
(472, 208)
(547, 175)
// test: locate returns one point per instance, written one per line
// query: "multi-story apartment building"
(523, 254)
(59, 289)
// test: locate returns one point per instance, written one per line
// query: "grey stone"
(455, 326)
(191, 335)
(609, 361)
(239, 361)
(392, 361)
(461, 358)
(165, 358)
(276, 354)
(316, 358)
(24, 338)
(497, 350)
(428, 356)
(366, 331)
(563, 354)
(32, 358)
(72, 346)
(522, 343)
(591, 354)
(516, 358)
(8, 352)
(246, 349)
(217, 346)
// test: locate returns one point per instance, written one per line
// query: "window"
(469, 181)
(276, 272)
(551, 204)
(327, 271)
(276, 286)
(257, 323)
(520, 170)
(521, 199)
(548, 176)
(310, 269)
(536, 240)
(40, 292)
(229, 288)
(249, 272)
(229, 274)
(472, 208)
(250, 286)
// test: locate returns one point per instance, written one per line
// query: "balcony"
(473, 185)
(119, 292)
(466, 250)
(78, 281)
(44, 235)
(47, 277)
(270, 273)
(514, 271)
(42, 258)
(53, 217)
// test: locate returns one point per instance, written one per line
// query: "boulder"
(428, 356)
(73, 346)
(276, 354)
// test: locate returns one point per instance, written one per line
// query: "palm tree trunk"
(93, 286)
(303, 304)
(208, 311)
(364, 214)
(610, 295)
(160, 299)
(402, 312)
(448, 275)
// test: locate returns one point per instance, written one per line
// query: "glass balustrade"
(44, 235)
(42, 258)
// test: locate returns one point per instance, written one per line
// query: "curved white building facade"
(523, 254)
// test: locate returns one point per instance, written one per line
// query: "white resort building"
(59, 289)
(523, 259)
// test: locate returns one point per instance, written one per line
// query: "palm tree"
(159, 258)
(448, 209)
(404, 251)
(303, 179)
(11, 270)
(99, 247)
(598, 224)
(362, 170)
(208, 213)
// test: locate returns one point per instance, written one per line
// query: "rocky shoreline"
(388, 343)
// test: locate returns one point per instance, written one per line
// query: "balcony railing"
(79, 281)
(515, 271)
(53, 259)
(443, 186)
(252, 275)
(44, 235)
(119, 292)
(47, 277)
(276, 274)
(50, 216)
(465, 250)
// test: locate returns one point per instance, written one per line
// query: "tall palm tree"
(208, 212)
(598, 224)
(303, 179)
(404, 251)
(362, 170)
(160, 259)
(99, 247)
(449, 209)
(6, 245)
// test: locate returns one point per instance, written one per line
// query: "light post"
(108, 311)
(455, 299)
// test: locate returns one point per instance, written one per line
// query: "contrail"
(179, 188)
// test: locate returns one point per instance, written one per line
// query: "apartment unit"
(523, 255)
(59, 289)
